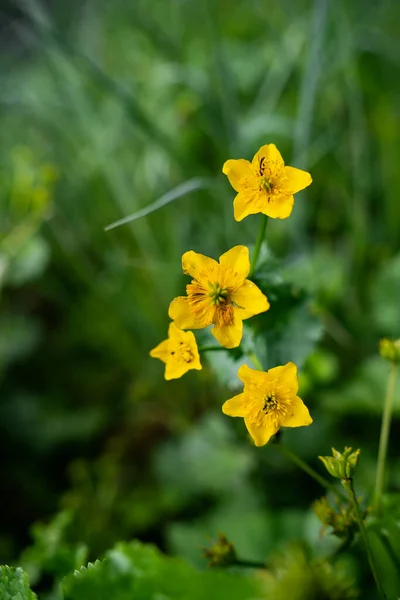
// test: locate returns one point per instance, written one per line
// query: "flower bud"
(222, 553)
(390, 349)
(341, 465)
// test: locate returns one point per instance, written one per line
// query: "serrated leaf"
(134, 570)
(14, 584)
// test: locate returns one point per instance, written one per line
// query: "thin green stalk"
(257, 247)
(211, 348)
(364, 535)
(384, 437)
(255, 361)
(309, 470)
(249, 563)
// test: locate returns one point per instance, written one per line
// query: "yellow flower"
(268, 402)
(179, 352)
(265, 185)
(218, 295)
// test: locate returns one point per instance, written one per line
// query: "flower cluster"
(220, 295)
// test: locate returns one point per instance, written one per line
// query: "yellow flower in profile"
(218, 295)
(179, 352)
(269, 401)
(264, 185)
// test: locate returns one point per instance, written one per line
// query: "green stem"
(257, 247)
(211, 348)
(249, 563)
(364, 535)
(384, 437)
(255, 361)
(309, 470)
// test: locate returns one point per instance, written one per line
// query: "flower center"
(183, 353)
(270, 403)
(211, 306)
(218, 295)
(266, 184)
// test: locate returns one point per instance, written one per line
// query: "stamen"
(270, 403)
(182, 353)
(266, 184)
(224, 315)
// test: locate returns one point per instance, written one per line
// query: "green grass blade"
(197, 183)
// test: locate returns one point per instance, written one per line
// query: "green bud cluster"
(341, 465)
(390, 350)
(222, 553)
(340, 518)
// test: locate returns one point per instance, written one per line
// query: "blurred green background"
(106, 107)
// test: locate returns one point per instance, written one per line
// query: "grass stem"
(384, 438)
(257, 247)
(325, 483)
(364, 535)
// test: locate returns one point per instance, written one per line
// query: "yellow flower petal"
(174, 333)
(228, 336)
(247, 203)
(161, 351)
(179, 338)
(235, 266)
(175, 369)
(295, 180)
(179, 311)
(268, 154)
(238, 406)
(191, 340)
(298, 415)
(239, 172)
(254, 376)
(200, 267)
(260, 433)
(249, 300)
(280, 207)
(287, 377)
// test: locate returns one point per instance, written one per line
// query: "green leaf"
(289, 331)
(384, 535)
(51, 553)
(14, 584)
(206, 460)
(29, 262)
(140, 572)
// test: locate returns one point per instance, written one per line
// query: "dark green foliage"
(107, 108)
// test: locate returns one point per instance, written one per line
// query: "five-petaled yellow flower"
(218, 295)
(269, 401)
(179, 352)
(264, 185)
